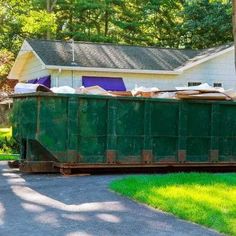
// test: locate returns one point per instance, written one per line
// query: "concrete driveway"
(78, 205)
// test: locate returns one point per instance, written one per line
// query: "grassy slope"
(207, 199)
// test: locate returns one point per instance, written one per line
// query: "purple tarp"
(32, 81)
(107, 83)
(46, 81)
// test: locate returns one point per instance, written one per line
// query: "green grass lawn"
(9, 157)
(207, 199)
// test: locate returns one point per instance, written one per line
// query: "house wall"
(66, 78)
(217, 70)
(32, 69)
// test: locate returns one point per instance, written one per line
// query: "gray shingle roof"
(100, 55)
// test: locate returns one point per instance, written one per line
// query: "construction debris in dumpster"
(200, 92)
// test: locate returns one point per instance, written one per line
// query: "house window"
(217, 85)
(193, 83)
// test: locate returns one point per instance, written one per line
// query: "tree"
(206, 23)
(78, 19)
(163, 20)
(11, 35)
(6, 62)
(166, 23)
(38, 24)
(129, 22)
(50, 6)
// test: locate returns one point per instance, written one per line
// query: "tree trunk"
(106, 22)
(50, 5)
(71, 12)
(234, 29)
(48, 10)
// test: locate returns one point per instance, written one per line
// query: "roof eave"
(97, 69)
(200, 61)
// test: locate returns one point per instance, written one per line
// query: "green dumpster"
(61, 131)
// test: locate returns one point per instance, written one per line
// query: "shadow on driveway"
(78, 205)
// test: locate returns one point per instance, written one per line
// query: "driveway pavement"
(43, 205)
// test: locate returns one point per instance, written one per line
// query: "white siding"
(68, 78)
(32, 69)
(65, 78)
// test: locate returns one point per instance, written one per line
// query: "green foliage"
(165, 23)
(8, 145)
(207, 199)
(11, 35)
(8, 157)
(6, 61)
(37, 23)
(206, 23)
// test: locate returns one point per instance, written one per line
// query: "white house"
(71, 64)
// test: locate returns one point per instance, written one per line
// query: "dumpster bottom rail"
(37, 167)
(73, 168)
(68, 168)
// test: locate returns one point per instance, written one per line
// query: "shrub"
(8, 144)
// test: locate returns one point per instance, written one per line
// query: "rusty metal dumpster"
(62, 132)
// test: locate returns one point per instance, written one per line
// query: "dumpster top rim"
(46, 94)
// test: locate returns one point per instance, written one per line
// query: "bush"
(8, 144)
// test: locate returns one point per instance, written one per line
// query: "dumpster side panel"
(198, 131)
(16, 128)
(164, 130)
(24, 123)
(92, 129)
(25, 118)
(52, 125)
(129, 122)
(227, 133)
